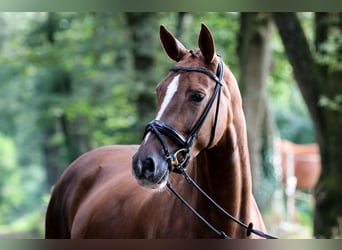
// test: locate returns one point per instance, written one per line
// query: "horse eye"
(196, 97)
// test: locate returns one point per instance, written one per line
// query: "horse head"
(192, 110)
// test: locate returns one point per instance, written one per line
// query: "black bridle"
(178, 161)
(181, 157)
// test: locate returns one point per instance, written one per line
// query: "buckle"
(179, 160)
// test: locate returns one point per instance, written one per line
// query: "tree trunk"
(319, 75)
(142, 28)
(180, 25)
(328, 193)
(254, 53)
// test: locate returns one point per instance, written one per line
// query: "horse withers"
(120, 191)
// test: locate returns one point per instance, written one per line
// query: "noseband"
(180, 158)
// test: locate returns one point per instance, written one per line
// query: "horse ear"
(206, 44)
(173, 48)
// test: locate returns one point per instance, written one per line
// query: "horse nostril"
(148, 169)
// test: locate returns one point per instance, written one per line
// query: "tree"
(142, 30)
(318, 70)
(255, 55)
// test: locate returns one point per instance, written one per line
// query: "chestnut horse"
(120, 191)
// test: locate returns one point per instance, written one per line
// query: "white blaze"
(170, 92)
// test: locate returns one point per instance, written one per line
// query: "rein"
(178, 161)
(222, 234)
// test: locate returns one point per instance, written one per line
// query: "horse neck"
(224, 170)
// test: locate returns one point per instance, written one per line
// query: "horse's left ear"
(206, 44)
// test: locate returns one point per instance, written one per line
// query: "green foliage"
(20, 188)
(305, 210)
(330, 50)
(78, 68)
(9, 178)
(334, 104)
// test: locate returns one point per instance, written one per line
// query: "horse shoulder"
(107, 202)
(95, 167)
(80, 180)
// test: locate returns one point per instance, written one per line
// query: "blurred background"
(71, 82)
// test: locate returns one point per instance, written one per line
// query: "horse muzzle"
(150, 171)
